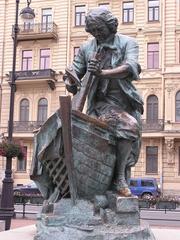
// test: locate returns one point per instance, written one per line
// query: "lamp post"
(7, 201)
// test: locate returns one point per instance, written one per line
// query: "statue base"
(109, 217)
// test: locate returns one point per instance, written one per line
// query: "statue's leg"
(127, 174)
(123, 150)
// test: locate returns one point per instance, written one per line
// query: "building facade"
(49, 43)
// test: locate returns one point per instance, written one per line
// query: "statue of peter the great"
(112, 97)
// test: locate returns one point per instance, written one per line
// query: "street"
(158, 218)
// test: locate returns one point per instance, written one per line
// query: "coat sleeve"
(131, 58)
(79, 63)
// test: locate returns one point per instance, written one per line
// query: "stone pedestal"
(121, 210)
(109, 217)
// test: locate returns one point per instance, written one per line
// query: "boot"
(123, 151)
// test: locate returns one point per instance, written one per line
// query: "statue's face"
(99, 30)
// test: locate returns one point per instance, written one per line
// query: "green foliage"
(11, 150)
(167, 198)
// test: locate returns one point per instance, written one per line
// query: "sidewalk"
(20, 222)
(22, 233)
(166, 234)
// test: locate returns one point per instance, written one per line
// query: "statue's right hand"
(94, 67)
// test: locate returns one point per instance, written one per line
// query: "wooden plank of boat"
(94, 155)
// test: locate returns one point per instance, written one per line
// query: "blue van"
(144, 187)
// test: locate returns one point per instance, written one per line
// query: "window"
(153, 10)
(21, 164)
(177, 112)
(42, 110)
(153, 55)
(104, 5)
(76, 50)
(133, 183)
(24, 110)
(26, 60)
(128, 12)
(152, 160)
(147, 183)
(46, 20)
(44, 58)
(152, 109)
(80, 15)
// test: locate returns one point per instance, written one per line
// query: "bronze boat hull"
(94, 155)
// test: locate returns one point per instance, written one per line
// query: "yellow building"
(48, 44)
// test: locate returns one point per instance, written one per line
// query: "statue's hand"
(70, 84)
(94, 67)
(68, 80)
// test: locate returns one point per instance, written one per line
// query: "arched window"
(24, 110)
(178, 107)
(42, 110)
(152, 108)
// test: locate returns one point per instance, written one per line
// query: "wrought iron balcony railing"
(152, 126)
(26, 126)
(37, 31)
(30, 126)
(48, 75)
(35, 74)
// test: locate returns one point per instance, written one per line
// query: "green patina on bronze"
(106, 140)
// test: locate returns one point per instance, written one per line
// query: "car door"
(134, 186)
(147, 186)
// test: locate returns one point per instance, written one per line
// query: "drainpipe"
(68, 38)
(163, 54)
(68, 32)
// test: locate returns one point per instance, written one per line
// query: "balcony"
(39, 75)
(152, 126)
(37, 31)
(26, 126)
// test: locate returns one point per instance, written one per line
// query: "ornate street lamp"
(7, 201)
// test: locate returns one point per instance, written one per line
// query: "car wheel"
(147, 196)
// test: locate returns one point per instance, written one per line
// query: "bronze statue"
(111, 60)
(112, 97)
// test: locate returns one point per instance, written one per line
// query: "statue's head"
(100, 17)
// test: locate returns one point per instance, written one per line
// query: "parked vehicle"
(144, 187)
(27, 193)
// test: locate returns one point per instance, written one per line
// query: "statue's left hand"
(94, 67)
(70, 84)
